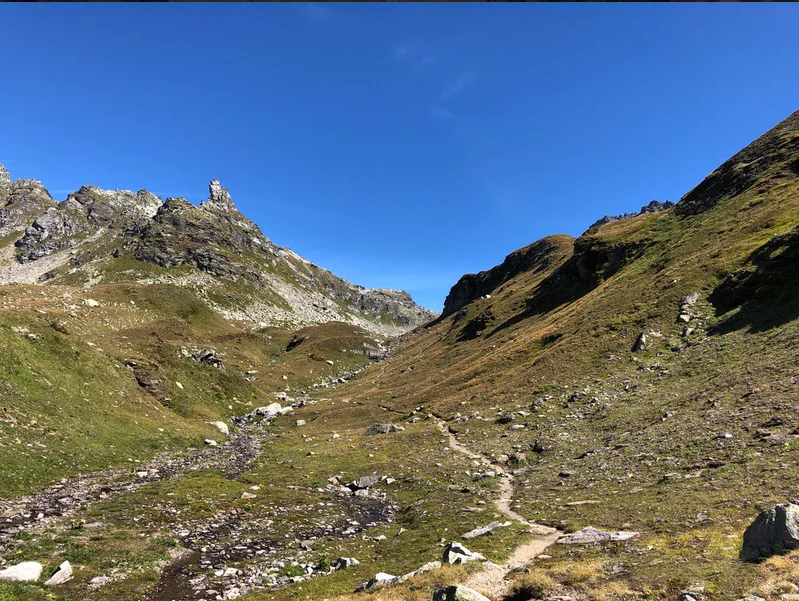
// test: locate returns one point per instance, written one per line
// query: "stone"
(345, 562)
(379, 580)
(383, 429)
(300, 422)
(365, 482)
(485, 529)
(456, 553)
(458, 592)
(99, 581)
(683, 318)
(432, 565)
(248, 495)
(506, 418)
(222, 427)
(62, 574)
(270, 411)
(640, 343)
(27, 571)
(211, 442)
(774, 531)
(590, 535)
(90, 302)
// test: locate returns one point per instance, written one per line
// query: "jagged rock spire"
(219, 197)
(5, 178)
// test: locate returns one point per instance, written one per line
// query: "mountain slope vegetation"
(639, 378)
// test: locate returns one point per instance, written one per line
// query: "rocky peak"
(5, 178)
(654, 206)
(218, 197)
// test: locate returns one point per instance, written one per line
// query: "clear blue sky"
(399, 145)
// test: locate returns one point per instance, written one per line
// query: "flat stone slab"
(590, 535)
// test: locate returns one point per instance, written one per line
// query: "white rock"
(99, 581)
(329, 362)
(248, 495)
(63, 574)
(90, 302)
(378, 580)
(27, 571)
(456, 553)
(222, 427)
(179, 385)
(300, 422)
(210, 442)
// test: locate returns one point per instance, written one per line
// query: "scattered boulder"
(211, 442)
(506, 418)
(592, 535)
(270, 411)
(458, 592)
(774, 531)
(27, 571)
(99, 581)
(62, 574)
(383, 429)
(90, 302)
(433, 565)
(456, 553)
(364, 482)
(379, 580)
(222, 427)
(485, 529)
(640, 343)
(345, 562)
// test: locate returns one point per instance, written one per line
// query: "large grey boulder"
(458, 592)
(774, 531)
(27, 571)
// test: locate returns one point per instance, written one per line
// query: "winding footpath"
(492, 580)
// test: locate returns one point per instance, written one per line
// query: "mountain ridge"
(210, 240)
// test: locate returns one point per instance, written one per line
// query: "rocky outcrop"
(771, 160)
(654, 206)
(112, 208)
(538, 256)
(774, 531)
(5, 178)
(52, 231)
(21, 202)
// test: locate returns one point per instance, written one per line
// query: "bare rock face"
(774, 531)
(21, 202)
(50, 232)
(219, 197)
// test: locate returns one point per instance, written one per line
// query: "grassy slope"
(72, 406)
(638, 420)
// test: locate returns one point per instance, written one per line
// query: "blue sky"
(399, 145)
